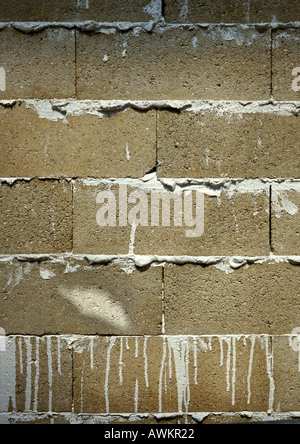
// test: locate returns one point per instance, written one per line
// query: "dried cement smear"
(128, 263)
(55, 110)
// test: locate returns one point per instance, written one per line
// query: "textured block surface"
(286, 50)
(38, 65)
(274, 11)
(122, 145)
(183, 374)
(73, 298)
(207, 11)
(74, 10)
(232, 11)
(36, 375)
(216, 144)
(36, 217)
(228, 302)
(234, 224)
(285, 220)
(231, 64)
(286, 372)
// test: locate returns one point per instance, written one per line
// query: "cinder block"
(221, 63)
(286, 372)
(37, 11)
(71, 10)
(234, 223)
(123, 145)
(38, 65)
(206, 11)
(171, 374)
(207, 144)
(36, 217)
(232, 11)
(74, 298)
(285, 233)
(36, 375)
(274, 11)
(286, 59)
(209, 300)
(88, 236)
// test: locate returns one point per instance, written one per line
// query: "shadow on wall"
(56, 298)
(98, 305)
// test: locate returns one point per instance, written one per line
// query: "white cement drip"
(146, 363)
(250, 368)
(180, 348)
(180, 358)
(28, 388)
(50, 371)
(110, 347)
(37, 375)
(8, 376)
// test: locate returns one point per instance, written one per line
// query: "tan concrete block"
(74, 298)
(37, 11)
(234, 224)
(36, 217)
(171, 374)
(216, 302)
(206, 11)
(107, 371)
(116, 11)
(286, 50)
(69, 10)
(36, 375)
(285, 234)
(210, 144)
(123, 145)
(232, 11)
(88, 236)
(286, 373)
(275, 10)
(181, 64)
(38, 65)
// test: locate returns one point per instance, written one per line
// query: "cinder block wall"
(143, 324)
